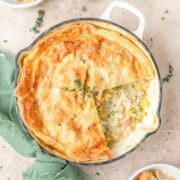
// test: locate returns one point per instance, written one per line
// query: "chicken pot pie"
(82, 89)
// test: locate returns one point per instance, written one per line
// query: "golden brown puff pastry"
(56, 76)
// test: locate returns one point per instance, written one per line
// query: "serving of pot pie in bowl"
(88, 91)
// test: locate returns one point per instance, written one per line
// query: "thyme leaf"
(117, 88)
(166, 11)
(84, 8)
(77, 84)
(97, 173)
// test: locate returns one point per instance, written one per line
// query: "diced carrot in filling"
(126, 123)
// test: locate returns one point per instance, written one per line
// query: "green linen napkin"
(45, 167)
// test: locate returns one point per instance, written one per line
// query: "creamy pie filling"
(121, 108)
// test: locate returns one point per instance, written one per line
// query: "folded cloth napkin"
(45, 167)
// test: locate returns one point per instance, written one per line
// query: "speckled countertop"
(162, 35)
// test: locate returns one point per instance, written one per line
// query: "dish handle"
(124, 5)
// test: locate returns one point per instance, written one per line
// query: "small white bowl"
(170, 170)
(13, 4)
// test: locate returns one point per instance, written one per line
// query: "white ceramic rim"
(157, 166)
(20, 5)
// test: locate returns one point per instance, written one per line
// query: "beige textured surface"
(164, 146)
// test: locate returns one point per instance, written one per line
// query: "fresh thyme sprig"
(169, 75)
(38, 21)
